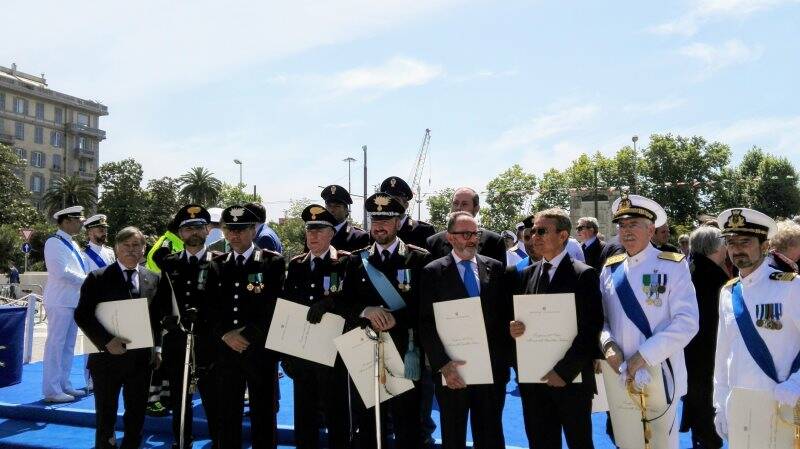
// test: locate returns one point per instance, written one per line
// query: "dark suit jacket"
(592, 254)
(572, 276)
(612, 248)
(108, 284)
(350, 238)
(708, 278)
(441, 281)
(416, 232)
(778, 263)
(490, 245)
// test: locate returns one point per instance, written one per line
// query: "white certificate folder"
(462, 331)
(127, 318)
(291, 333)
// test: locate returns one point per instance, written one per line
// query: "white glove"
(623, 374)
(787, 393)
(721, 424)
(641, 379)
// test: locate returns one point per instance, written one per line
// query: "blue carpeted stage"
(27, 422)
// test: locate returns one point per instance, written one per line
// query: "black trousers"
(483, 405)
(129, 372)
(548, 410)
(322, 387)
(405, 420)
(255, 370)
(698, 414)
(174, 350)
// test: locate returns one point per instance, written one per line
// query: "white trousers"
(58, 350)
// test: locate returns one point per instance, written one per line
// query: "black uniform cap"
(191, 215)
(239, 217)
(336, 194)
(527, 223)
(317, 217)
(394, 185)
(382, 206)
(259, 210)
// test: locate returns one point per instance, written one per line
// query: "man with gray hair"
(784, 247)
(592, 247)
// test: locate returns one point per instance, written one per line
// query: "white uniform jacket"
(734, 366)
(674, 322)
(65, 274)
(105, 253)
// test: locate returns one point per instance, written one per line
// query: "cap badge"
(316, 210)
(194, 210)
(237, 212)
(333, 190)
(625, 203)
(392, 182)
(381, 201)
(736, 220)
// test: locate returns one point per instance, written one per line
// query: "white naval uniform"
(673, 323)
(64, 278)
(105, 253)
(734, 366)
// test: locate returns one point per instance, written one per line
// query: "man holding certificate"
(561, 401)
(383, 285)
(315, 279)
(243, 286)
(758, 342)
(115, 367)
(465, 274)
(649, 305)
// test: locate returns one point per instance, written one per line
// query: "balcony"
(85, 153)
(85, 130)
(89, 176)
(7, 139)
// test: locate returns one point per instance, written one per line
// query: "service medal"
(250, 287)
(760, 315)
(326, 285)
(334, 282)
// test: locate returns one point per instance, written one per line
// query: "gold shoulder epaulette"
(613, 260)
(299, 256)
(343, 252)
(271, 252)
(732, 281)
(415, 247)
(669, 255)
(782, 276)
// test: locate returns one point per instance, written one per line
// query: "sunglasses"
(581, 228)
(539, 231)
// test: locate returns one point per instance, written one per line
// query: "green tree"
(122, 198)
(230, 194)
(200, 186)
(774, 189)
(163, 203)
(553, 191)
(15, 207)
(291, 229)
(506, 197)
(439, 207)
(67, 191)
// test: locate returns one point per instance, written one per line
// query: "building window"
(37, 183)
(82, 143)
(37, 159)
(57, 162)
(19, 130)
(56, 139)
(20, 105)
(2, 101)
(83, 119)
(40, 111)
(38, 134)
(21, 153)
(59, 116)
(83, 166)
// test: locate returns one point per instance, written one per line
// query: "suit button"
(236, 284)
(188, 293)
(235, 296)
(312, 285)
(235, 309)
(188, 282)
(235, 321)
(311, 297)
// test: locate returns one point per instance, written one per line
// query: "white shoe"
(74, 392)
(60, 398)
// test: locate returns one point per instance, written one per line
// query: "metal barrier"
(35, 314)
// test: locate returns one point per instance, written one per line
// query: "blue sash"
(74, 251)
(752, 340)
(521, 253)
(385, 288)
(522, 264)
(95, 257)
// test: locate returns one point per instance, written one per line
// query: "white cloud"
(656, 107)
(545, 126)
(396, 73)
(704, 11)
(716, 57)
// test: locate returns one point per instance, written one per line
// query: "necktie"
(240, 260)
(192, 260)
(583, 246)
(314, 264)
(470, 282)
(129, 282)
(386, 255)
(544, 278)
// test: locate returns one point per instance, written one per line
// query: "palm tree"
(200, 186)
(69, 191)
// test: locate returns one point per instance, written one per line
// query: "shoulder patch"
(669, 255)
(299, 256)
(366, 248)
(613, 260)
(732, 281)
(416, 248)
(270, 252)
(782, 276)
(343, 252)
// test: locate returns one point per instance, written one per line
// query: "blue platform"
(28, 422)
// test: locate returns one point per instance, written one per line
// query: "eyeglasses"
(467, 235)
(582, 227)
(539, 231)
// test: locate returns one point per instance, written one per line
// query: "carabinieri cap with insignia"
(72, 212)
(336, 194)
(382, 206)
(317, 217)
(239, 217)
(192, 215)
(635, 206)
(96, 221)
(744, 221)
(395, 186)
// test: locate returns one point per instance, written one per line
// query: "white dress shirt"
(461, 269)
(391, 248)
(134, 275)
(246, 254)
(65, 274)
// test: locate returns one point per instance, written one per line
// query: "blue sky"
(293, 88)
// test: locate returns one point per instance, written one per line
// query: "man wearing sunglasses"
(587, 230)
(561, 403)
(649, 304)
(466, 274)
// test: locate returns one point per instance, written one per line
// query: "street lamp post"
(364, 147)
(239, 163)
(635, 159)
(349, 161)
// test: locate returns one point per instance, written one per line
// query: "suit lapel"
(146, 284)
(450, 272)
(562, 275)
(483, 272)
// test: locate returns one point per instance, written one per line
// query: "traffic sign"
(26, 233)
(26, 247)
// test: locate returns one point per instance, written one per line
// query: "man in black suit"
(560, 403)
(348, 237)
(587, 230)
(243, 286)
(415, 232)
(114, 368)
(661, 239)
(393, 309)
(464, 274)
(490, 244)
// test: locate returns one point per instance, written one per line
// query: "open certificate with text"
(291, 333)
(127, 318)
(462, 331)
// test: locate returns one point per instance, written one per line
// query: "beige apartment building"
(57, 134)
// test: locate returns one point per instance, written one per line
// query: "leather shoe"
(59, 398)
